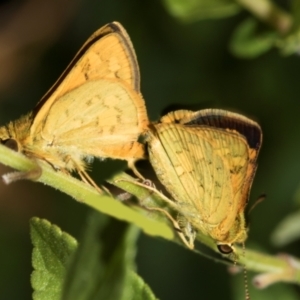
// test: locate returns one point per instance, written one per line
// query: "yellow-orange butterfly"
(207, 160)
(95, 109)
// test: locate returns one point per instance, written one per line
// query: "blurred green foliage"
(183, 64)
(191, 10)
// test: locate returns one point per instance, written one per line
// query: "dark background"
(181, 63)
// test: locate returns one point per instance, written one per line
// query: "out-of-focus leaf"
(290, 44)
(192, 10)
(295, 12)
(246, 42)
(287, 230)
(51, 252)
(101, 266)
(137, 289)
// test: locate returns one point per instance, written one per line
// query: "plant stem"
(284, 268)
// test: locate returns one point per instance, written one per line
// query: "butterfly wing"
(103, 123)
(105, 69)
(210, 166)
(229, 122)
(108, 53)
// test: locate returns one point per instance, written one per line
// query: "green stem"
(252, 260)
(150, 223)
(85, 193)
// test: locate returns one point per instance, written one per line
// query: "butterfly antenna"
(247, 295)
(260, 199)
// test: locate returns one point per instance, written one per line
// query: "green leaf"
(247, 42)
(51, 252)
(100, 268)
(192, 10)
(138, 289)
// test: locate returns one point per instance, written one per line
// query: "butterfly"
(95, 109)
(207, 161)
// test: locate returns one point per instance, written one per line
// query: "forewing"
(107, 54)
(171, 162)
(97, 118)
(202, 160)
(228, 122)
(233, 150)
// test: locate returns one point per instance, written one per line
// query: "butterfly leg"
(187, 241)
(88, 180)
(84, 175)
(131, 165)
(186, 237)
(187, 229)
(153, 189)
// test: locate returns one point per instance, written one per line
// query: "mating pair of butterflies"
(205, 159)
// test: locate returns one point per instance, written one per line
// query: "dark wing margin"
(232, 121)
(113, 27)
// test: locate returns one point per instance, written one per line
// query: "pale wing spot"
(114, 65)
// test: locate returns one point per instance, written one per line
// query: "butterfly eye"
(11, 144)
(225, 248)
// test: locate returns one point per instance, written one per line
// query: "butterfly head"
(226, 237)
(225, 248)
(11, 144)
(8, 138)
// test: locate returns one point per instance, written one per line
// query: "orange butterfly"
(95, 109)
(207, 160)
